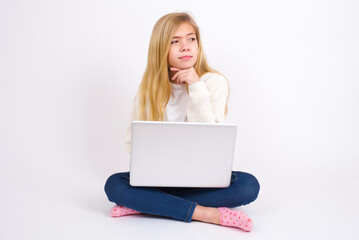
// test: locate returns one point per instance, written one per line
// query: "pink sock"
(119, 210)
(235, 218)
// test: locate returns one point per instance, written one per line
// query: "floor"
(73, 206)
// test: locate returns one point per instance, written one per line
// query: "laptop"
(181, 154)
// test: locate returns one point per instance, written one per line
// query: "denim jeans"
(179, 203)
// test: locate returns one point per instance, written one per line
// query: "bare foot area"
(206, 214)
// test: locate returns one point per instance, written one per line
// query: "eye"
(192, 39)
(174, 41)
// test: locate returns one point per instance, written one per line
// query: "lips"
(185, 57)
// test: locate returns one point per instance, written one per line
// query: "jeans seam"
(189, 210)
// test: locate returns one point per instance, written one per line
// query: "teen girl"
(179, 85)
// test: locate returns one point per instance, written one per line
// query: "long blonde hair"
(155, 90)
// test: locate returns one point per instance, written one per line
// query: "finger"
(182, 78)
(176, 75)
(181, 71)
(175, 69)
(174, 81)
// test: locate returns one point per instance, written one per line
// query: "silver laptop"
(181, 154)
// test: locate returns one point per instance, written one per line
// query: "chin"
(185, 66)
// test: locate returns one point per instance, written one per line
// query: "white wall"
(69, 71)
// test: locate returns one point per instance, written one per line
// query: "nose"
(184, 46)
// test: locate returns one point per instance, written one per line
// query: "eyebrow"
(181, 37)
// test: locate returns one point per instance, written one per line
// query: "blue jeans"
(179, 203)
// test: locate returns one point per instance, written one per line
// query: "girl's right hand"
(183, 76)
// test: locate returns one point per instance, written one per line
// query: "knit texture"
(207, 104)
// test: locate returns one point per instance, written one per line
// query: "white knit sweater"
(207, 103)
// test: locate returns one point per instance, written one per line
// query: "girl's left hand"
(188, 76)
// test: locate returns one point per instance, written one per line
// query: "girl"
(179, 85)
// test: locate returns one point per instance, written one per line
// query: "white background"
(70, 69)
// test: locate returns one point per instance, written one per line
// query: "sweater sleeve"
(134, 116)
(208, 99)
